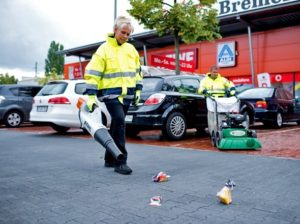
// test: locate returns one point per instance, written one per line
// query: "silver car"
(16, 103)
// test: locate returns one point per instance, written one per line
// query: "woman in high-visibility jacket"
(114, 71)
(216, 85)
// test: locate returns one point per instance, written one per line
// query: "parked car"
(273, 106)
(55, 105)
(169, 103)
(16, 103)
(297, 91)
(241, 87)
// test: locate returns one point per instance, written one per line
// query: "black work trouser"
(117, 128)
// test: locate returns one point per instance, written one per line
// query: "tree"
(186, 21)
(7, 79)
(54, 62)
(50, 77)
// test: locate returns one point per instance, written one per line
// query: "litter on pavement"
(224, 194)
(160, 177)
(155, 201)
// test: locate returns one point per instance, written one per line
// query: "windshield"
(53, 88)
(256, 93)
(152, 84)
(241, 87)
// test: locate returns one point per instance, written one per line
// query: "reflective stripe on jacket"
(114, 69)
(216, 87)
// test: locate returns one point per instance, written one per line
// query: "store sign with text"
(241, 80)
(231, 7)
(73, 70)
(264, 80)
(187, 59)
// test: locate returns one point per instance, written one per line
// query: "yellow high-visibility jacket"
(216, 87)
(114, 70)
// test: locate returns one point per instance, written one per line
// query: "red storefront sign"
(187, 60)
(241, 80)
(275, 78)
(73, 70)
(285, 77)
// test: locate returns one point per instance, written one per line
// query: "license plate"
(42, 108)
(128, 118)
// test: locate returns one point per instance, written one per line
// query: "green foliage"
(193, 22)
(54, 62)
(185, 20)
(50, 77)
(7, 79)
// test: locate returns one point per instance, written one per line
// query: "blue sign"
(226, 54)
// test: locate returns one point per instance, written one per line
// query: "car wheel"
(175, 126)
(246, 123)
(13, 119)
(218, 138)
(252, 134)
(132, 132)
(213, 139)
(60, 129)
(278, 122)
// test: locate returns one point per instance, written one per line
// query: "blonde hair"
(121, 21)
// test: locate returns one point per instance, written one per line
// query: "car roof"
(168, 77)
(159, 72)
(263, 88)
(67, 80)
(19, 85)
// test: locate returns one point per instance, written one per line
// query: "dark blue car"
(273, 106)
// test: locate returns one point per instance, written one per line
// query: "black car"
(241, 87)
(16, 103)
(273, 106)
(169, 103)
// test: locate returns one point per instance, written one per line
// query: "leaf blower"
(92, 122)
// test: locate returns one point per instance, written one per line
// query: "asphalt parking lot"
(60, 179)
(282, 142)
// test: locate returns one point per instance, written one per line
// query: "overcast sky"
(27, 28)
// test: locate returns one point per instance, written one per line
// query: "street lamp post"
(115, 10)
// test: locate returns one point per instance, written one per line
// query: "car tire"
(175, 126)
(13, 119)
(213, 139)
(278, 121)
(252, 134)
(246, 123)
(59, 129)
(218, 138)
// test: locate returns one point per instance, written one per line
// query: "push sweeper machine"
(226, 125)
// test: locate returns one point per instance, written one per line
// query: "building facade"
(260, 46)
